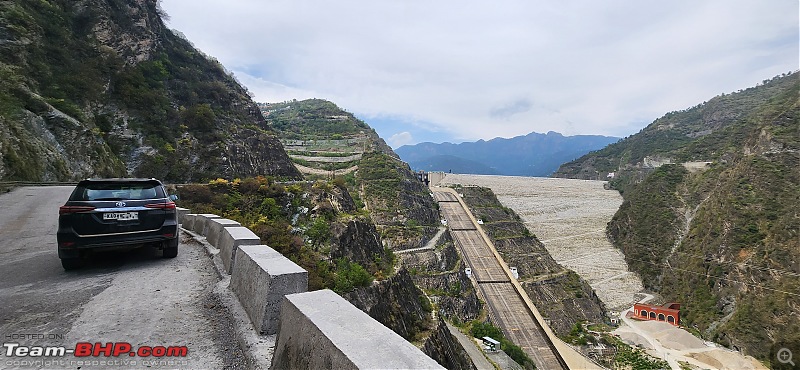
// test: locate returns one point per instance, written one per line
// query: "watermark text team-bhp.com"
(113, 353)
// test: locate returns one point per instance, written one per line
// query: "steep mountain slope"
(530, 155)
(395, 209)
(710, 216)
(103, 88)
(313, 119)
(321, 136)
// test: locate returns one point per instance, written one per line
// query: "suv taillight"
(66, 210)
(167, 205)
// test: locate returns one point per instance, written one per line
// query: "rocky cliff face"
(442, 259)
(453, 294)
(565, 299)
(32, 148)
(358, 241)
(396, 303)
(400, 205)
(103, 88)
(339, 199)
(446, 350)
(440, 274)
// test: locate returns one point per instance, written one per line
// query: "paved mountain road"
(135, 297)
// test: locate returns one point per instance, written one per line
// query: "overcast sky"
(466, 70)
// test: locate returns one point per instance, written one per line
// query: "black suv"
(116, 213)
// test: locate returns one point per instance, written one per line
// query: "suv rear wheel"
(171, 248)
(71, 263)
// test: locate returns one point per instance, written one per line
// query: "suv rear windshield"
(117, 191)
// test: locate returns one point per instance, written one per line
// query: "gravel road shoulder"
(174, 304)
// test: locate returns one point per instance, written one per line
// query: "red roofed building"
(670, 312)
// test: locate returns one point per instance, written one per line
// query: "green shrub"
(319, 232)
(485, 329)
(350, 275)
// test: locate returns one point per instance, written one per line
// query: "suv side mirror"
(173, 197)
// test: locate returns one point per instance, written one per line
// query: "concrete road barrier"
(260, 279)
(320, 329)
(315, 330)
(182, 212)
(187, 221)
(215, 227)
(201, 221)
(230, 240)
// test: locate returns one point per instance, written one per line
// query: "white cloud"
(481, 70)
(400, 139)
(268, 91)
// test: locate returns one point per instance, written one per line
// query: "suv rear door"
(119, 207)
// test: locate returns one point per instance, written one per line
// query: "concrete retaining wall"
(260, 279)
(321, 330)
(230, 241)
(214, 229)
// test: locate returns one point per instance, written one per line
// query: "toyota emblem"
(120, 204)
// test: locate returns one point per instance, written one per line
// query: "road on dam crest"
(135, 297)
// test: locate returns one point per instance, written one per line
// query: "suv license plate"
(121, 216)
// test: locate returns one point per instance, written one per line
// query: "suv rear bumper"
(71, 245)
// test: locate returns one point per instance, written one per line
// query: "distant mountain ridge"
(534, 154)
